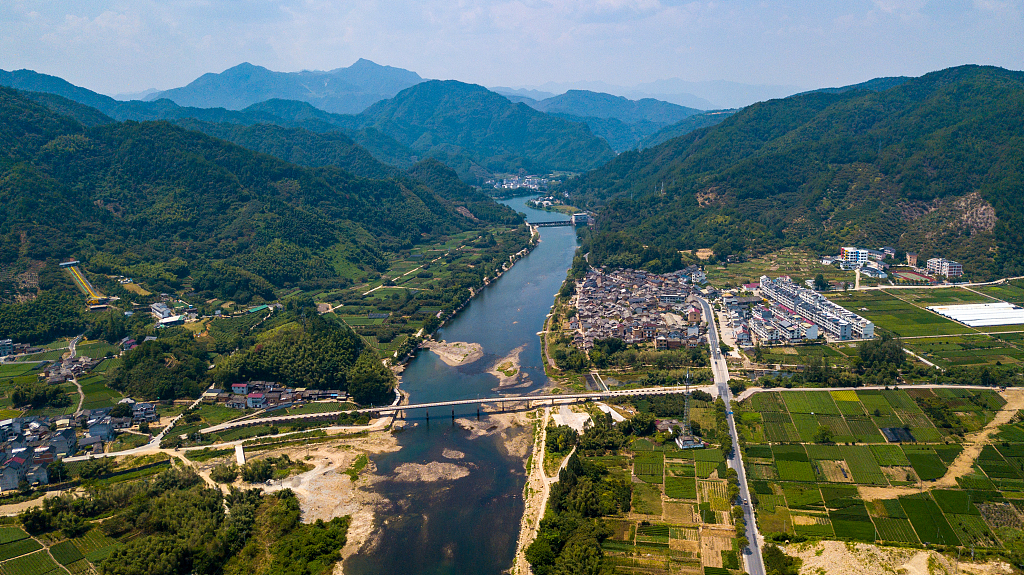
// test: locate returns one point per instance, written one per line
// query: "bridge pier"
(478, 413)
(453, 415)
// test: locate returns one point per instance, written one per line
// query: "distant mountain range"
(342, 91)
(933, 165)
(471, 129)
(625, 124)
(701, 95)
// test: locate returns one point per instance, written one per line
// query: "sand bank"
(455, 353)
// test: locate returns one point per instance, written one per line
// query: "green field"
(790, 261)
(896, 316)
(810, 489)
(967, 350)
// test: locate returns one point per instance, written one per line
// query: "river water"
(468, 525)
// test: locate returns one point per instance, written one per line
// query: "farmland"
(860, 487)
(680, 519)
(791, 262)
(23, 555)
(896, 314)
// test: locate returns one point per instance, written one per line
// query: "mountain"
(126, 96)
(495, 132)
(584, 103)
(522, 93)
(711, 95)
(173, 206)
(299, 146)
(453, 117)
(873, 85)
(342, 91)
(685, 126)
(934, 165)
(720, 93)
(623, 123)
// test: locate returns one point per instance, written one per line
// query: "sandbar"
(455, 353)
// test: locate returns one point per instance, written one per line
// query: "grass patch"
(357, 466)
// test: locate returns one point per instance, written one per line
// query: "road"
(752, 554)
(81, 393)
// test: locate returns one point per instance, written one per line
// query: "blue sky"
(123, 46)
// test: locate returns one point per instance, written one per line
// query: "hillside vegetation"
(162, 203)
(933, 165)
(472, 130)
(623, 123)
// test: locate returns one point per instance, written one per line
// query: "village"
(637, 307)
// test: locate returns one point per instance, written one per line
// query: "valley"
(277, 329)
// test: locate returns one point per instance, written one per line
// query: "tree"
(823, 435)
(121, 410)
(642, 424)
(776, 562)
(224, 473)
(370, 382)
(820, 283)
(35, 520)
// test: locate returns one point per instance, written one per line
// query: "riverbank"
(336, 488)
(535, 495)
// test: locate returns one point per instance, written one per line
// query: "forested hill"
(485, 126)
(934, 165)
(585, 103)
(472, 130)
(156, 201)
(622, 122)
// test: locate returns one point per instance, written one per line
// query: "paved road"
(752, 554)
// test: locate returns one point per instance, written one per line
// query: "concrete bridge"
(506, 403)
(553, 224)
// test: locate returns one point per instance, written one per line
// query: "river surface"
(468, 525)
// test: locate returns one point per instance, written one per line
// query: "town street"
(751, 555)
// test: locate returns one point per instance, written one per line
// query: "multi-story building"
(6, 347)
(944, 267)
(816, 308)
(912, 259)
(854, 255)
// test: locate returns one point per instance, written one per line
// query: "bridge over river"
(553, 224)
(506, 402)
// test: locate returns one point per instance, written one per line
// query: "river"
(470, 524)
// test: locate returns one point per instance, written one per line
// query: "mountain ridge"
(346, 90)
(821, 169)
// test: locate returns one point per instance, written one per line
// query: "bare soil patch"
(840, 558)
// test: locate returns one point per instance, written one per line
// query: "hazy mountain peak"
(342, 90)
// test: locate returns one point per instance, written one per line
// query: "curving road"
(752, 554)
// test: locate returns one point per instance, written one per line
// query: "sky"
(133, 45)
